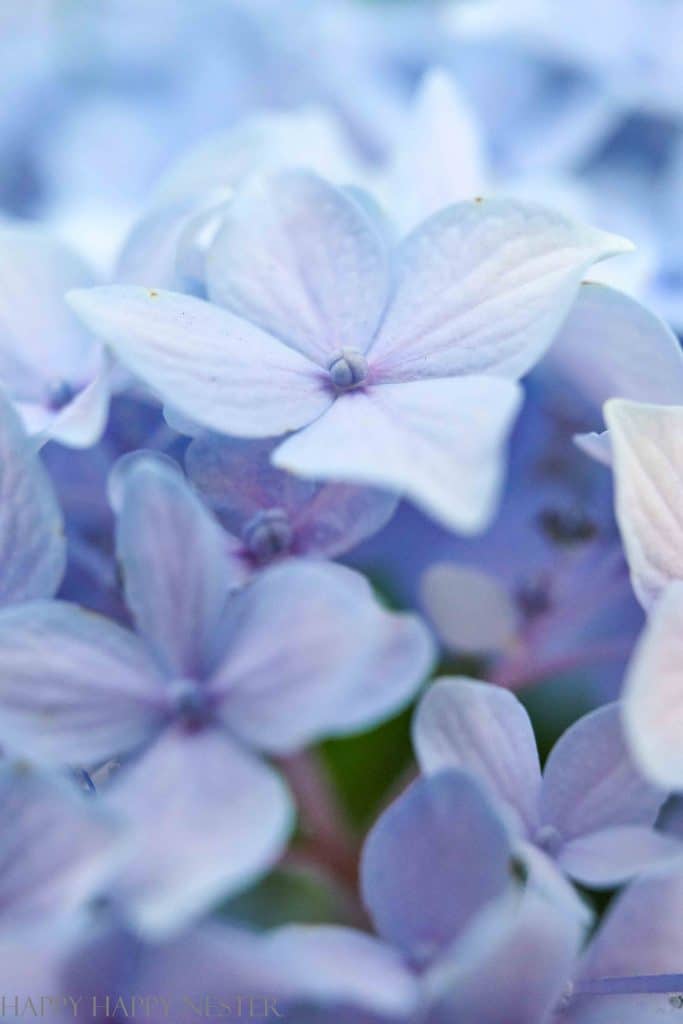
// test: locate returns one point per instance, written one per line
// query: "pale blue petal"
(471, 610)
(308, 652)
(440, 443)
(484, 730)
(176, 565)
(57, 848)
(210, 365)
(512, 965)
(74, 688)
(206, 818)
(612, 856)
(302, 260)
(435, 859)
(32, 545)
(483, 287)
(591, 782)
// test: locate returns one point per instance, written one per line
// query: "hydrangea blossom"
(590, 811)
(52, 369)
(272, 514)
(374, 391)
(207, 687)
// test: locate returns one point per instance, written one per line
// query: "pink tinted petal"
(653, 693)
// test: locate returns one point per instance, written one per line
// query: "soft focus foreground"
(341, 511)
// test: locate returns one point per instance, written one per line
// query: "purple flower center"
(348, 368)
(190, 703)
(268, 534)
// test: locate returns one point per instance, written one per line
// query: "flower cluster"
(324, 432)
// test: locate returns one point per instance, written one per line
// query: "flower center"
(268, 534)
(190, 703)
(348, 368)
(59, 394)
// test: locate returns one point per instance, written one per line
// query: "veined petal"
(653, 692)
(302, 260)
(435, 859)
(647, 455)
(483, 287)
(440, 443)
(440, 158)
(176, 566)
(215, 368)
(74, 688)
(206, 818)
(309, 652)
(56, 850)
(591, 782)
(32, 545)
(484, 730)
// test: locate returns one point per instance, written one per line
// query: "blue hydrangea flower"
(397, 385)
(53, 370)
(272, 515)
(207, 687)
(591, 811)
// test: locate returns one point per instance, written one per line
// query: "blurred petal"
(336, 967)
(32, 546)
(439, 159)
(647, 446)
(81, 423)
(613, 347)
(515, 961)
(205, 818)
(339, 517)
(610, 857)
(210, 365)
(41, 341)
(57, 849)
(484, 730)
(483, 287)
(176, 569)
(436, 858)
(74, 688)
(303, 261)
(642, 932)
(653, 693)
(471, 610)
(591, 782)
(238, 480)
(439, 442)
(310, 652)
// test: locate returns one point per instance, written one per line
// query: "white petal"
(471, 610)
(441, 443)
(213, 367)
(647, 449)
(483, 287)
(302, 260)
